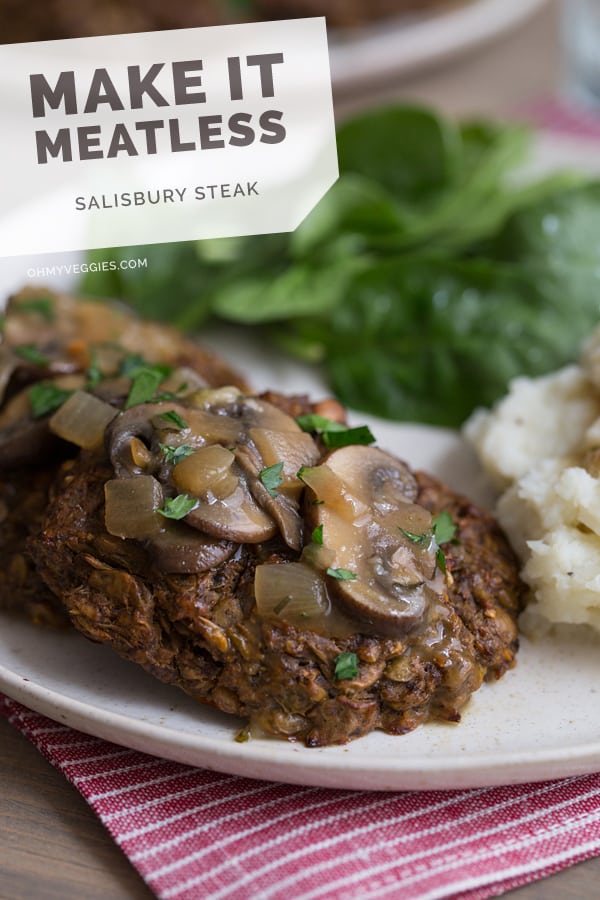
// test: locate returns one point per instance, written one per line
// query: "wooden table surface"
(51, 844)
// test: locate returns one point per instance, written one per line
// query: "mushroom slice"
(234, 518)
(134, 424)
(383, 574)
(24, 441)
(280, 507)
(257, 412)
(149, 423)
(395, 616)
(185, 551)
(25, 438)
(374, 476)
(294, 450)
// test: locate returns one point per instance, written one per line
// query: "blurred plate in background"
(409, 43)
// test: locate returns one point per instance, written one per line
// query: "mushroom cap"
(378, 546)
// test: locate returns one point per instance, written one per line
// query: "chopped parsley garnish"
(41, 305)
(440, 558)
(131, 364)
(94, 374)
(45, 397)
(341, 574)
(444, 527)
(443, 530)
(144, 385)
(176, 454)
(171, 395)
(346, 666)
(31, 353)
(317, 535)
(318, 424)
(174, 419)
(360, 435)
(421, 539)
(272, 478)
(335, 434)
(179, 506)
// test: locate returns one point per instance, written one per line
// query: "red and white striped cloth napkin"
(558, 117)
(193, 833)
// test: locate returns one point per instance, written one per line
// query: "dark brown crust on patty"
(23, 503)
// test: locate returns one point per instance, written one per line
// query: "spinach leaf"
(410, 151)
(430, 339)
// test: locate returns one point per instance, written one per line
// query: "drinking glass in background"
(581, 42)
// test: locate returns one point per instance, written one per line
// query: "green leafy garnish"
(131, 364)
(341, 574)
(143, 387)
(421, 539)
(43, 306)
(444, 531)
(173, 418)
(335, 439)
(31, 353)
(444, 527)
(440, 558)
(346, 666)
(45, 397)
(178, 507)
(335, 434)
(174, 455)
(313, 423)
(94, 374)
(272, 478)
(165, 396)
(317, 535)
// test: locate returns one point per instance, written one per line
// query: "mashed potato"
(541, 447)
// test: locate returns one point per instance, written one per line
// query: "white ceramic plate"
(407, 43)
(542, 720)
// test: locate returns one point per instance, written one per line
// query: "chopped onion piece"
(82, 420)
(131, 506)
(292, 592)
(328, 488)
(212, 427)
(206, 472)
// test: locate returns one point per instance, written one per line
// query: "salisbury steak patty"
(53, 344)
(203, 632)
